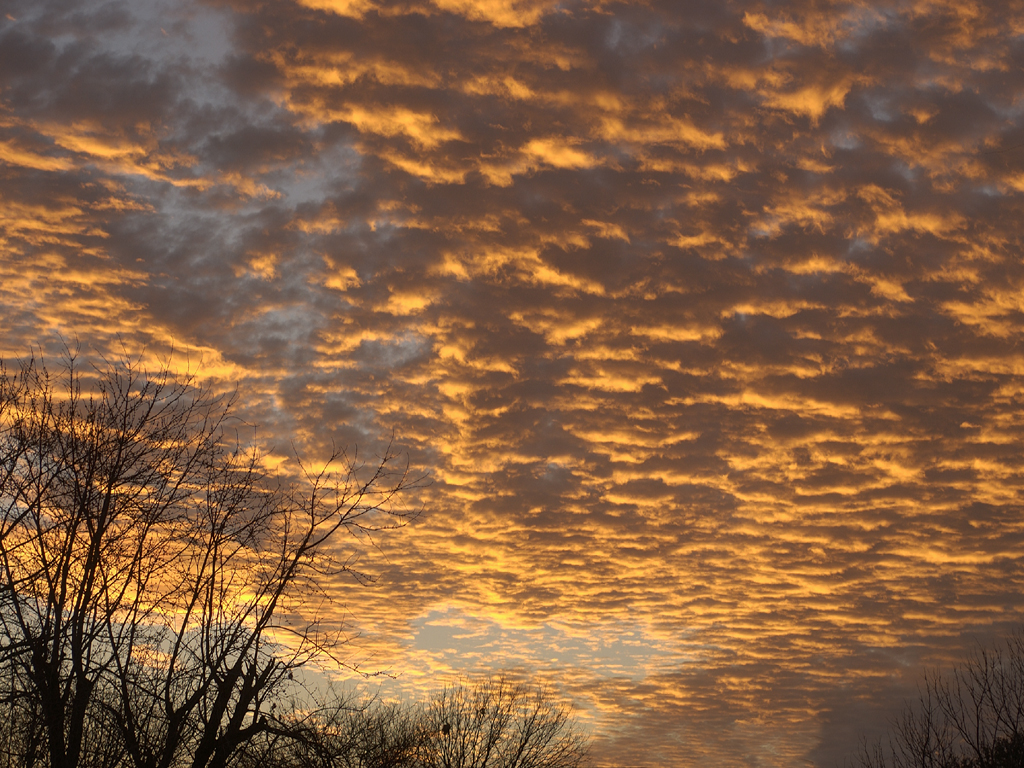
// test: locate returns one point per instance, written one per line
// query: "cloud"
(704, 319)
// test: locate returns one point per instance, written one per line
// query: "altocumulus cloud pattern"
(705, 317)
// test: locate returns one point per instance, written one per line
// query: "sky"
(706, 320)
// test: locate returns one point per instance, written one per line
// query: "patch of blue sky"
(613, 648)
(881, 106)
(845, 139)
(856, 247)
(167, 30)
(989, 190)
(633, 37)
(394, 352)
(906, 171)
(1011, 110)
(862, 22)
(333, 169)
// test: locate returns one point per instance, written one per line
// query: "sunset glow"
(706, 320)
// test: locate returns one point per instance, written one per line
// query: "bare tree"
(385, 735)
(492, 724)
(499, 724)
(157, 590)
(340, 735)
(971, 718)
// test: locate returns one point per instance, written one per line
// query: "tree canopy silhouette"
(970, 718)
(492, 723)
(158, 589)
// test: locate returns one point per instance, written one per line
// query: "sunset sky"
(705, 318)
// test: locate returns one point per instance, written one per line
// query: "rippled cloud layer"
(706, 318)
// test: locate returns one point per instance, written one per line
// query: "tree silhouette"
(157, 589)
(499, 724)
(494, 723)
(971, 718)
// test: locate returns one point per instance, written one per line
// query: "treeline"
(972, 717)
(160, 593)
(496, 723)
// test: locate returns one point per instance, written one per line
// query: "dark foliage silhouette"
(158, 591)
(495, 723)
(970, 718)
